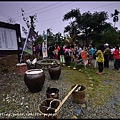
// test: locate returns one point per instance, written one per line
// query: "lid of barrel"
(34, 71)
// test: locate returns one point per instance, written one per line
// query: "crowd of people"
(105, 53)
(73, 53)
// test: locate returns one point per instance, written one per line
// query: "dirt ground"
(8, 63)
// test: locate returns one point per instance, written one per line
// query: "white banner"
(44, 45)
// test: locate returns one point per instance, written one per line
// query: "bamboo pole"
(65, 98)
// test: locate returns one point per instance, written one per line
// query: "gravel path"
(17, 101)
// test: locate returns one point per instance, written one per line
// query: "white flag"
(44, 45)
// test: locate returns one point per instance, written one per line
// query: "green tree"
(86, 23)
(111, 36)
(72, 27)
(50, 37)
(38, 40)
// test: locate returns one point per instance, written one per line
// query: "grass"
(117, 108)
(97, 90)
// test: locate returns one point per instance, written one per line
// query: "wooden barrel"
(79, 94)
(49, 113)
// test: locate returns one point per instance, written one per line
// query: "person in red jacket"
(116, 58)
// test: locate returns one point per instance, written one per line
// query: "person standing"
(56, 52)
(67, 56)
(50, 51)
(39, 49)
(34, 50)
(90, 53)
(107, 53)
(61, 56)
(100, 59)
(116, 57)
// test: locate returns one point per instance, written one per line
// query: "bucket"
(52, 93)
(21, 68)
(79, 94)
(47, 109)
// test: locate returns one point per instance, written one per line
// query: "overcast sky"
(50, 14)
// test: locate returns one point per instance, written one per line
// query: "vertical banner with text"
(28, 46)
(44, 45)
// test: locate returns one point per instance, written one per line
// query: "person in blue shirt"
(91, 53)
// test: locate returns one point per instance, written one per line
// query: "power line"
(104, 6)
(34, 11)
(29, 9)
(61, 16)
(45, 7)
(53, 8)
(90, 9)
(51, 19)
(40, 9)
(57, 7)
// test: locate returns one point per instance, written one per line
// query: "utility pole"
(32, 22)
(29, 23)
